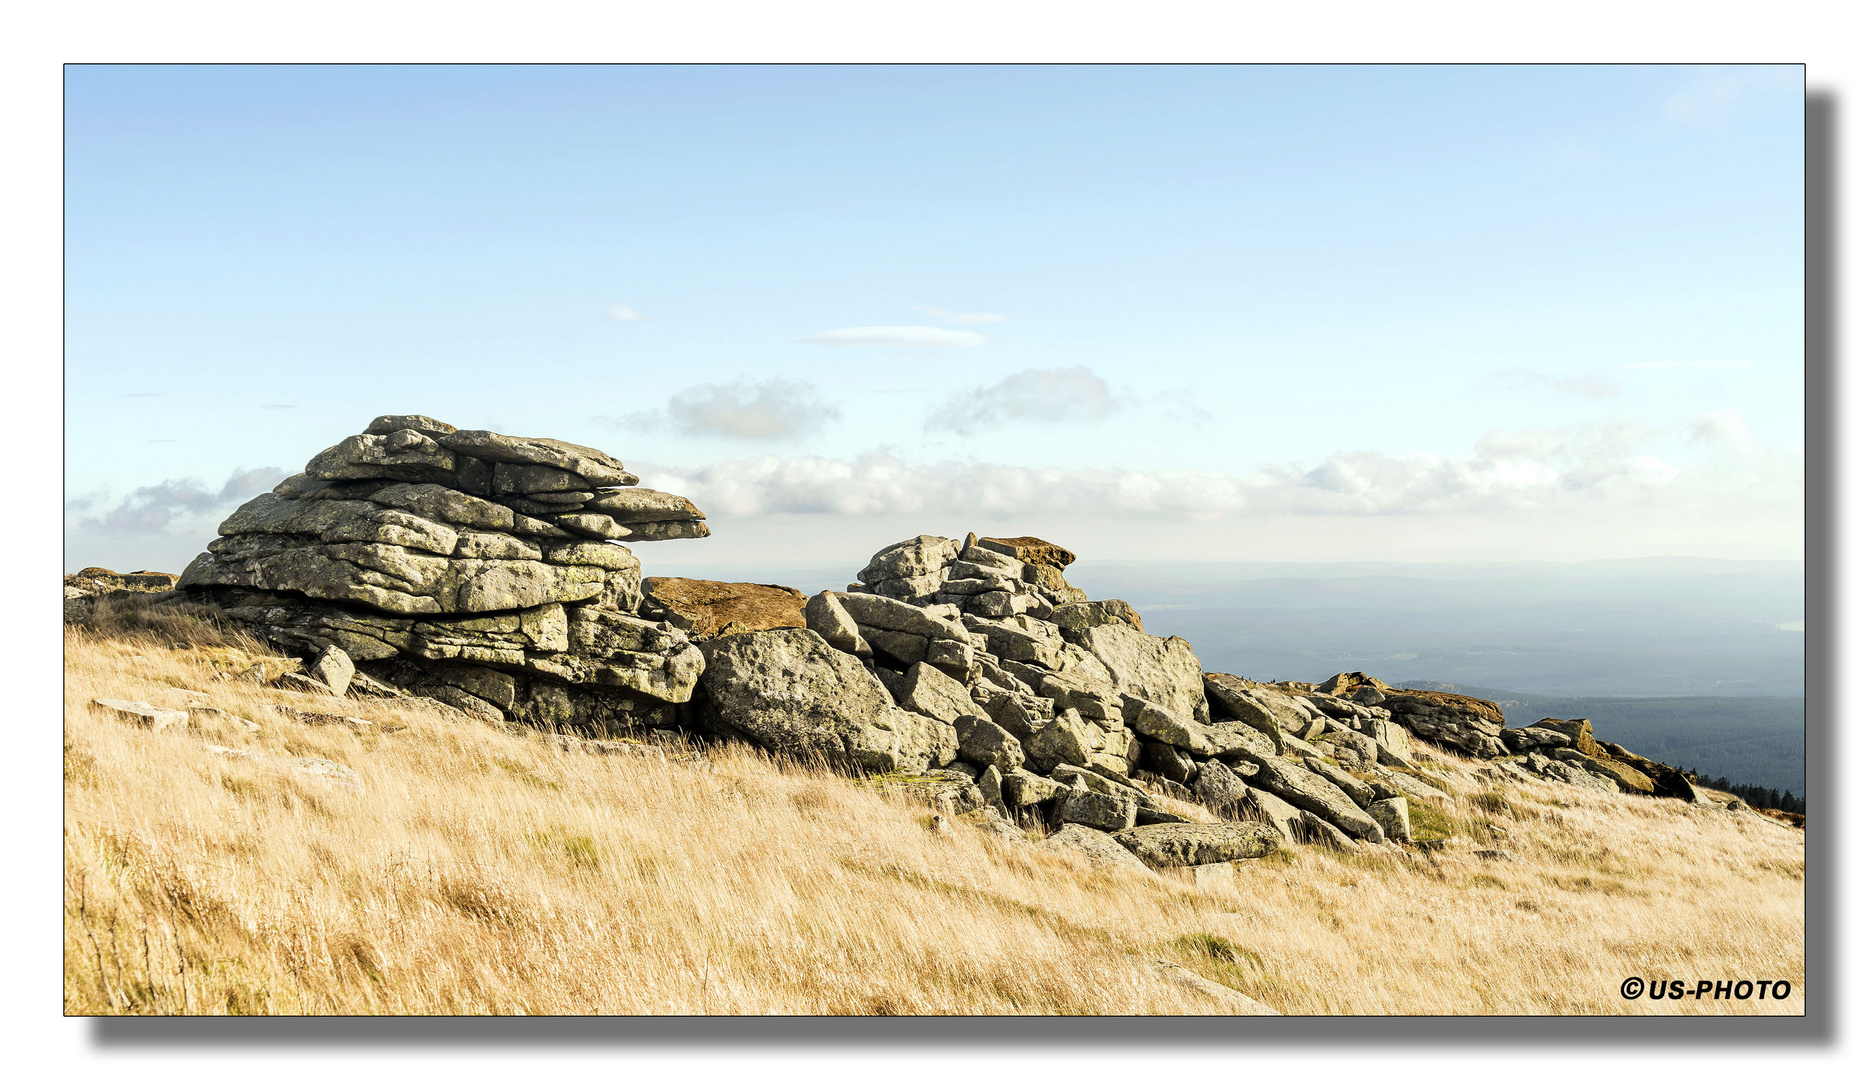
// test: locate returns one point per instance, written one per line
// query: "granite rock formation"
(476, 568)
(488, 572)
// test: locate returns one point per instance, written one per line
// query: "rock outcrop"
(473, 567)
(486, 571)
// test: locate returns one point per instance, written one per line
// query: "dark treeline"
(1764, 798)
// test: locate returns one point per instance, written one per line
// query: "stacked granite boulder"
(975, 667)
(468, 566)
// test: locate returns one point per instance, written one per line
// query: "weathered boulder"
(884, 613)
(985, 743)
(1217, 786)
(1624, 775)
(825, 614)
(790, 692)
(1095, 847)
(1020, 638)
(1074, 619)
(141, 713)
(1352, 749)
(333, 668)
(609, 648)
(1082, 806)
(1525, 739)
(1020, 713)
(1067, 740)
(415, 544)
(594, 467)
(1284, 818)
(1233, 740)
(1022, 788)
(1470, 725)
(1359, 791)
(1162, 670)
(1669, 782)
(1348, 684)
(1308, 791)
(1266, 711)
(1197, 845)
(1168, 762)
(1029, 549)
(97, 581)
(1152, 721)
(1392, 815)
(711, 608)
(1576, 734)
(931, 692)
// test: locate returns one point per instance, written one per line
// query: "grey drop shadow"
(1822, 550)
(1818, 1026)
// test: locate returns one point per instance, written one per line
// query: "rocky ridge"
(485, 571)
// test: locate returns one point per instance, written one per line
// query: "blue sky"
(1184, 312)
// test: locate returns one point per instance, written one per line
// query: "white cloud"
(623, 313)
(1702, 101)
(913, 337)
(1724, 429)
(971, 318)
(1051, 396)
(1556, 471)
(1674, 364)
(1589, 386)
(149, 511)
(775, 409)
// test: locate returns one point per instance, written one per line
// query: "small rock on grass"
(320, 719)
(311, 766)
(142, 713)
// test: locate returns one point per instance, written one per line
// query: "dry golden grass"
(472, 871)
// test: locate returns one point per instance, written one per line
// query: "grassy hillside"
(470, 870)
(1751, 740)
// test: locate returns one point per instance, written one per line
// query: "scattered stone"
(1194, 845)
(142, 713)
(310, 766)
(320, 719)
(1097, 847)
(334, 669)
(1236, 1003)
(1392, 815)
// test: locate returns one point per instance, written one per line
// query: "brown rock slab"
(711, 608)
(1029, 549)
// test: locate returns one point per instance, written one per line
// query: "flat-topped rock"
(710, 608)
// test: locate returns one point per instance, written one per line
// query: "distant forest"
(1769, 798)
(1754, 745)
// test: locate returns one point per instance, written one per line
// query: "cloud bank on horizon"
(1452, 300)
